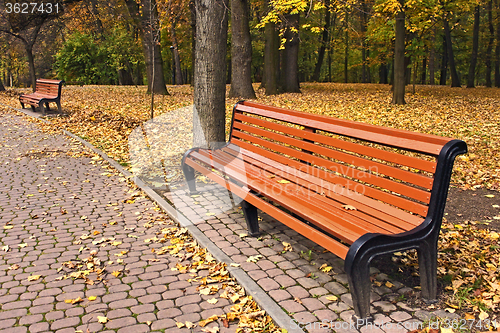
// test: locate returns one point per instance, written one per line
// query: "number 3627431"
(32, 8)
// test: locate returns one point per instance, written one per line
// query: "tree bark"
(271, 60)
(346, 50)
(489, 48)
(365, 71)
(145, 17)
(398, 96)
(382, 74)
(455, 81)
(475, 45)
(444, 64)
(432, 57)
(423, 78)
(2, 88)
(497, 52)
(210, 73)
(177, 57)
(241, 51)
(192, 9)
(325, 38)
(290, 64)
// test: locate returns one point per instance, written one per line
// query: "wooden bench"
(46, 91)
(358, 190)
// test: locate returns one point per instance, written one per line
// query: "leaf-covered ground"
(106, 115)
(469, 256)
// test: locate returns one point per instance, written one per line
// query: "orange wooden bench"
(46, 91)
(356, 189)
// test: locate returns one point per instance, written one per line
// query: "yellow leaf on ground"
(102, 319)
(179, 324)
(490, 195)
(116, 273)
(92, 298)
(349, 207)
(332, 298)
(483, 315)
(283, 181)
(204, 323)
(7, 227)
(212, 300)
(34, 277)
(389, 285)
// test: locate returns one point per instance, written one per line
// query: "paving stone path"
(48, 201)
(57, 206)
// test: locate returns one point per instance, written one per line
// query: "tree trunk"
(432, 57)
(210, 73)
(31, 63)
(324, 42)
(444, 64)
(365, 75)
(475, 44)
(290, 64)
(346, 51)
(398, 96)
(497, 52)
(2, 88)
(382, 73)
(192, 9)
(241, 51)
(455, 81)
(175, 53)
(145, 16)
(489, 48)
(423, 78)
(270, 79)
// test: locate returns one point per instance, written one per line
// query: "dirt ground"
(467, 205)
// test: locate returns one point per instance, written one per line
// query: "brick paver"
(56, 208)
(62, 207)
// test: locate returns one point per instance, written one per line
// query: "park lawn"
(468, 256)
(107, 115)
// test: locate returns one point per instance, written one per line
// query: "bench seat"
(358, 190)
(46, 91)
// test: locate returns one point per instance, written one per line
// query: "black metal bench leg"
(33, 108)
(59, 106)
(189, 175)
(360, 287)
(427, 262)
(250, 212)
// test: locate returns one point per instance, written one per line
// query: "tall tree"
(455, 81)
(325, 39)
(491, 39)
(241, 51)
(144, 13)
(398, 96)
(290, 55)
(174, 13)
(210, 73)
(475, 45)
(271, 57)
(497, 49)
(27, 27)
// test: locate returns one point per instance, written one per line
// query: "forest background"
(352, 41)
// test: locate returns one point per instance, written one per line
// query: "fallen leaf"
(102, 319)
(283, 181)
(349, 207)
(179, 324)
(34, 277)
(92, 298)
(212, 301)
(332, 298)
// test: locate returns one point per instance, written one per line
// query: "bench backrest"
(388, 165)
(49, 87)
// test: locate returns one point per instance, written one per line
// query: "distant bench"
(356, 189)
(46, 91)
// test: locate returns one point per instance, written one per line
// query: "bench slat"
(371, 192)
(315, 201)
(372, 207)
(327, 242)
(372, 219)
(428, 144)
(347, 232)
(407, 176)
(387, 156)
(372, 179)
